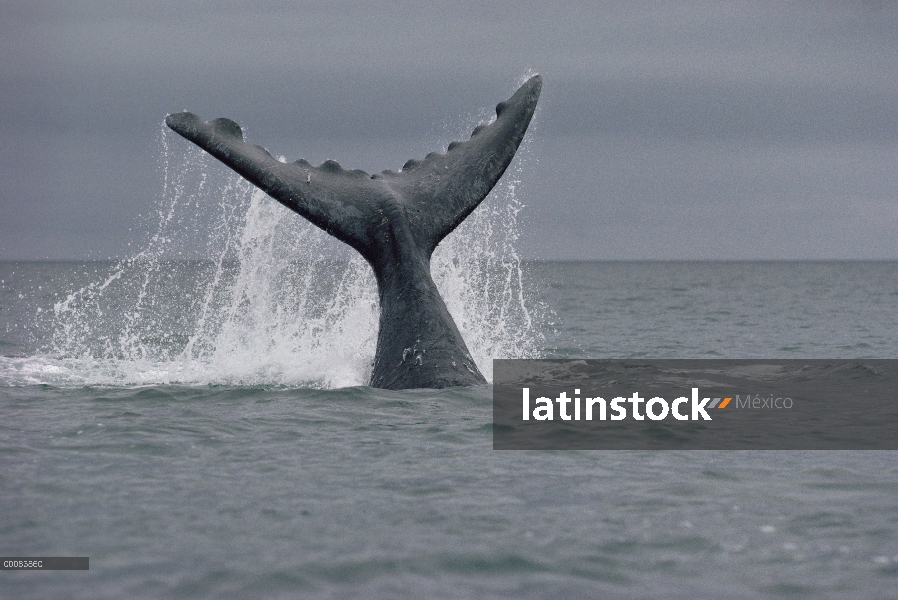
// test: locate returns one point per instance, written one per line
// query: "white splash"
(282, 303)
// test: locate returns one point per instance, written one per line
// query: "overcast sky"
(665, 130)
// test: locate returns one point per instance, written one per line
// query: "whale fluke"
(395, 220)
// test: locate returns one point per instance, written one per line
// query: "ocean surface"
(202, 428)
(292, 480)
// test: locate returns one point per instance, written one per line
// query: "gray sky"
(665, 130)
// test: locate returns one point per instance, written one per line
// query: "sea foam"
(229, 287)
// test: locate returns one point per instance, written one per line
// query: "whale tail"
(395, 220)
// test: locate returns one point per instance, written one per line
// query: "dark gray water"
(116, 447)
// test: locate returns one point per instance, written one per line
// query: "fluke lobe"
(395, 220)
